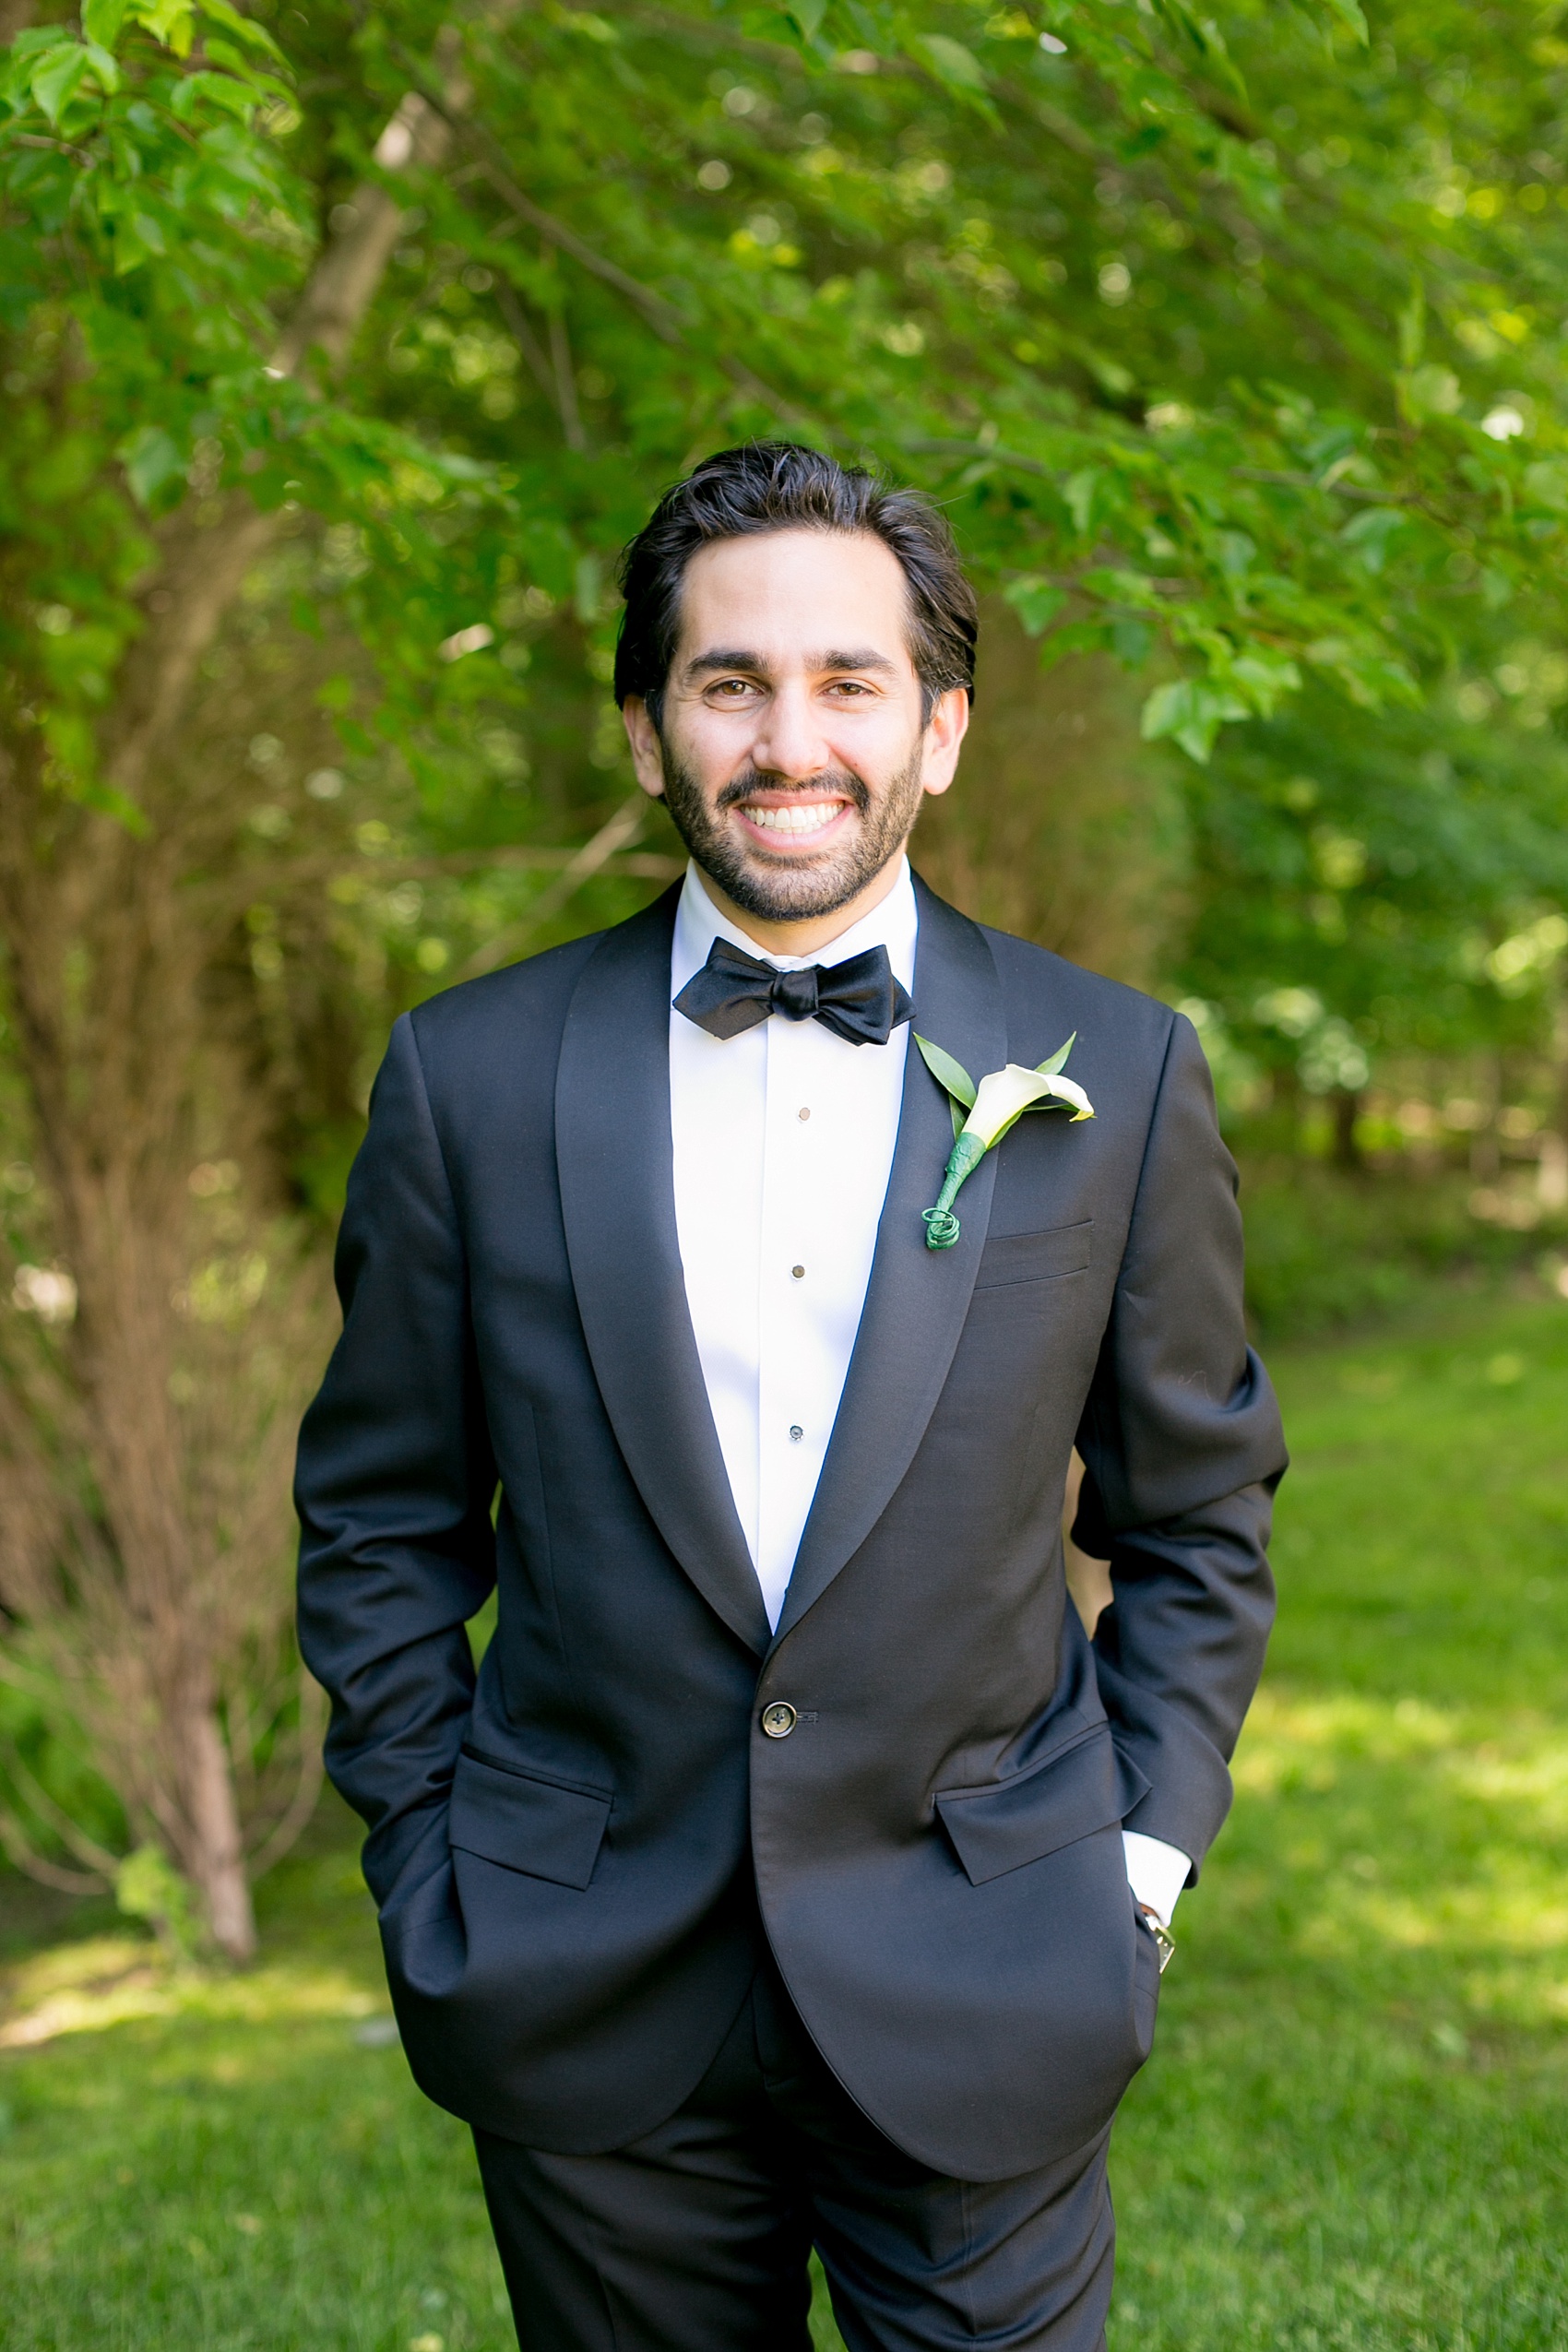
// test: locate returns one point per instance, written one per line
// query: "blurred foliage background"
(340, 352)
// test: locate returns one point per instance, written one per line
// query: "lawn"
(1354, 2129)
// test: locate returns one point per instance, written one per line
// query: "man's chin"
(785, 889)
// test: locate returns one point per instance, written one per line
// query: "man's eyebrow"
(726, 658)
(729, 657)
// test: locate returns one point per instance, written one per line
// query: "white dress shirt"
(783, 1146)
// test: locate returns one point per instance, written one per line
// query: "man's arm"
(1183, 1449)
(394, 1486)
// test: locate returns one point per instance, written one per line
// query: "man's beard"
(786, 889)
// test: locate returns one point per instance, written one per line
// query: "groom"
(795, 1870)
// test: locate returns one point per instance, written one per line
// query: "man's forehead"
(824, 599)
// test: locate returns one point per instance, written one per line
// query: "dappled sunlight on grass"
(1493, 1788)
(1351, 2134)
(1349, 2138)
(107, 1980)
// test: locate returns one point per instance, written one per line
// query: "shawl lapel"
(616, 1162)
(916, 1298)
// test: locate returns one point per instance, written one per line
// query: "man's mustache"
(836, 780)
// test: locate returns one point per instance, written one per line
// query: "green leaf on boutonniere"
(951, 1074)
(995, 1106)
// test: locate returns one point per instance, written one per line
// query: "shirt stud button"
(779, 1719)
(796, 1432)
(798, 1272)
(803, 1113)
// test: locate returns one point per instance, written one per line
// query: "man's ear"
(648, 752)
(946, 729)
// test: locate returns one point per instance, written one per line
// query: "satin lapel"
(613, 1153)
(917, 1299)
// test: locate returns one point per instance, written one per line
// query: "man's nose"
(790, 742)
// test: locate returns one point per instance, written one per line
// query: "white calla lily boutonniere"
(992, 1108)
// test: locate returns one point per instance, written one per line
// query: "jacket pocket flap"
(540, 1828)
(1034, 1257)
(1087, 1787)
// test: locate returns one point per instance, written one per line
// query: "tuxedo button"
(779, 1719)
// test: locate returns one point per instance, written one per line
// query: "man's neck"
(807, 937)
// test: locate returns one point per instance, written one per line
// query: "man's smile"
(793, 819)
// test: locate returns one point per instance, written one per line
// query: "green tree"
(343, 349)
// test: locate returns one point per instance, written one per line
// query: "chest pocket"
(1035, 1258)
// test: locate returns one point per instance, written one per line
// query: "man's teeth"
(810, 818)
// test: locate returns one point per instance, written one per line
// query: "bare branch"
(590, 858)
(527, 342)
(312, 1771)
(565, 382)
(85, 1848)
(345, 279)
(662, 316)
(205, 563)
(261, 882)
(26, 1858)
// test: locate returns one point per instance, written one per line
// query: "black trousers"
(696, 2238)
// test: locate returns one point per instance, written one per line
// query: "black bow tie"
(857, 999)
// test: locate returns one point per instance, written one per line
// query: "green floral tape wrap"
(942, 1227)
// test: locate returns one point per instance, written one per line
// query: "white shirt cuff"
(1156, 1872)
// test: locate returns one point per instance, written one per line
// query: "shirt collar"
(892, 925)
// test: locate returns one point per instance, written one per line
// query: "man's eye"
(731, 687)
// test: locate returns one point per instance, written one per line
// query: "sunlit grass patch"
(1351, 2135)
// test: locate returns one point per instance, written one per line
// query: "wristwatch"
(1165, 1943)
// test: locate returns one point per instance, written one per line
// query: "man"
(792, 1872)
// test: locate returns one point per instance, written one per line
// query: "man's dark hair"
(776, 486)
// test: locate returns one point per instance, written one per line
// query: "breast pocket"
(1035, 1258)
(544, 1828)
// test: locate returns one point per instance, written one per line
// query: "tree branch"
(24, 1858)
(662, 316)
(86, 1849)
(591, 859)
(205, 564)
(283, 1834)
(647, 865)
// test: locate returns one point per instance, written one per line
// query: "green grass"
(1354, 2131)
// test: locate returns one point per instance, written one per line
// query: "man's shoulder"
(1039, 985)
(529, 997)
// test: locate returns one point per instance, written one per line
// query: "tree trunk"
(216, 1863)
(1346, 1111)
(107, 957)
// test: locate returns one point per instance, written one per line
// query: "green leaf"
(1369, 532)
(1264, 679)
(152, 458)
(56, 78)
(1036, 601)
(950, 60)
(1057, 1061)
(105, 71)
(1429, 391)
(244, 29)
(1546, 484)
(167, 20)
(946, 1072)
(1079, 491)
(1413, 327)
(806, 15)
(1349, 14)
(101, 20)
(1191, 713)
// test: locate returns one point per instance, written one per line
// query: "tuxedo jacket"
(578, 1851)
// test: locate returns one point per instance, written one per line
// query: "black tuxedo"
(572, 1857)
